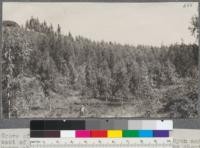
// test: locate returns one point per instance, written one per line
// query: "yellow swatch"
(114, 133)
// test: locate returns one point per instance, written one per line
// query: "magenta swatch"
(83, 134)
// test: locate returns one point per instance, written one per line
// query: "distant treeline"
(102, 70)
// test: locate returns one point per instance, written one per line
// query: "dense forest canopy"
(163, 79)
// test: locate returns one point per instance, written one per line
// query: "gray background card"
(24, 123)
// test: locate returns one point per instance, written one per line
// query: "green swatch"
(130, 133)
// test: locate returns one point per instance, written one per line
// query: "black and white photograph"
(102, 60)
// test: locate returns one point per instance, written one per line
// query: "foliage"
(194, 28)
(101, 70)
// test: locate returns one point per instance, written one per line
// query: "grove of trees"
(165, 76)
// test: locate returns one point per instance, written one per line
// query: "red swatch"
(98, 133)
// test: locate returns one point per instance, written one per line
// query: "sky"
(126, 23)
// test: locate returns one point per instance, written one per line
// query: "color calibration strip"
(100, 128)
(111, 124)
(100, 134)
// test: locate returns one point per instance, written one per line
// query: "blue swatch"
(145, 133)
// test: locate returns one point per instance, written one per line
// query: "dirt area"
(70, 107)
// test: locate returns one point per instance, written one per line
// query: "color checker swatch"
(100, 134)
(81, 129)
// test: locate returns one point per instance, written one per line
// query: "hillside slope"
(48, 74)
